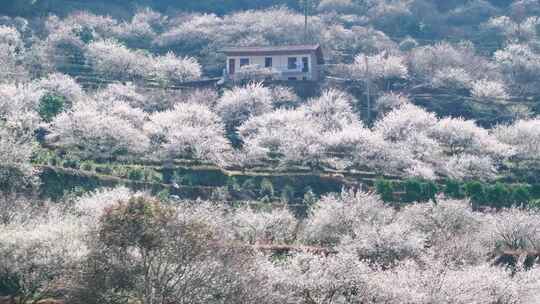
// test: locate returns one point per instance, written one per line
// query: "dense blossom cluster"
(350, 248)
(254, 124)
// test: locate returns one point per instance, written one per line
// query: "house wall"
(280, 62)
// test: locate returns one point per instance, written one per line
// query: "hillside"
(160, 151)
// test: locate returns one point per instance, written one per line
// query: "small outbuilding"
(293, 62)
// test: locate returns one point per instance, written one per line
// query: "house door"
(232, 65)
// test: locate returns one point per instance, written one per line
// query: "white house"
(293, 62)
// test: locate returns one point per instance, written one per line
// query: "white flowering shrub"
(19, 104)
(62, 85)
(263, 227)
(451, 77)
(464, 136)
(284, 97)
(39, 255)
(95, 130)
(336, 216)
(239, 104)
(486, 89)
(16, 151)
(432, 282)
(520, 65)
(430, 62)
(390, 101)
(187, 131)
(515, 229)
(523, 136)
(450, 226)
(405, 121)
(116, 92)
(12, 52)
(332, 110)
(514, 30)
(170, 68)
(114, 60)
(271, 26)
(142, 28)
(286, 134)
(380, 66)
(384, 243)
(93, 204)
(357, 146)
(310, 278)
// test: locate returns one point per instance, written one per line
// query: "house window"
(232, 65)
(305, 65)
(291, 63)
(292, 78)
(244, 61)
(268, 62)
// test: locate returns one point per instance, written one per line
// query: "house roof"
(275, 50)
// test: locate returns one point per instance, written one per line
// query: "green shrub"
(535, 190)
(310, 197)
(249, 184)
(71, 163)
(151, 175)
(232, 184)
(50, 105)
(287, 194)
(163, 195)
(135, 174)
(476, 192)
(183, 179)
(534, 204)
(385, 189)
(429, 191)
(266, 188)
(413, 191)
(452, 189)
(87, 166)
(498, 196)
(521, 195)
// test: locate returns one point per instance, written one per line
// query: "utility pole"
(368, 93)
(306, 15)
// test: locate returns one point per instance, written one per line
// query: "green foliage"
(136, 174)
(429, 191)
(232, 184)
(452, 189)
(310, 197)
(71, 163)
(413, 191)
(521, 195)
(249, 184)
(50, 105)
(287, 194)
(534, 204)
(86, 34)
(266, 188)
(87, 166)
(498, 196)
(385, 189)
(476, 192)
